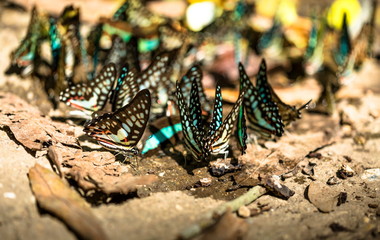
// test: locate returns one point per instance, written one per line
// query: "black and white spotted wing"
(195, 73)
(262, 115)
(121, 130)
(220, 140)
(91, 96)
(155, 78)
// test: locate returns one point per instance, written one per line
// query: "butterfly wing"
(118, 52)
(189, 131)
(241, 130)
(128, 88)
(262, 114)
(91, 96)
(195, 73)
(344, 46)
(222, 135)
(120, 131)
(288, 113)
(195, 107)
(217, 114)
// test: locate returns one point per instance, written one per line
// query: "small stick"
(208, 219)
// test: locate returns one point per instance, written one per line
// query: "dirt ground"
(165, 208)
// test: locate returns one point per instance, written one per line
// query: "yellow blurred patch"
(284, 10)
(335, 14)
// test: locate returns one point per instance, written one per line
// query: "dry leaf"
(34, 131)
(56, 197)
(96, 170)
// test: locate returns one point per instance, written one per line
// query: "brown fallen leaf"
(227, 227)
(56, 197)
(96, 170)
(34, 131)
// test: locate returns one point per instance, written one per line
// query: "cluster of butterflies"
(122, 99)
(124, 38)
(128, 100)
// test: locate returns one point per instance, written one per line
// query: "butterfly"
(73, 52)
(361, 46)
(156, 78)
(94, 48)
(195, 74)
(241, 130)
(262, 113)
(203, 139)
(25, 56)
(272, 39)
(288, 113)
(55, 43)
(314, 57)
(92, 96)
(121, 130)
(118, 52)
(344, 44)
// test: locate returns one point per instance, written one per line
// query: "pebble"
(345, 172)
(373, 205)
(10, 195)
(244, 212)
(322, 197)
(333, 181)
(371, 174)
(205, 182)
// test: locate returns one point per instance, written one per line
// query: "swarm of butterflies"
(103, 76)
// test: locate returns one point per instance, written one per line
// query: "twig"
(234, 205)
(320, 148)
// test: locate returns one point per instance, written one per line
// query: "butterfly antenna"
(305, 106)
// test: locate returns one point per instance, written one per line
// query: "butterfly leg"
(226, 154)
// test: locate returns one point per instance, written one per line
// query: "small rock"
(333, 181)
(373, 205)
(222, 166)
(264, 207)
(322, 197)
(345, 172)
(371, 174)
(255, 211)
(272, 183)
(309, 169)
(205, 182)
(346, 130)
(336, 227)
(342, 198)
(10, 195)
(378, 211)
(348, 158)
(244, 212)
(360, 140)
(314, 155)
